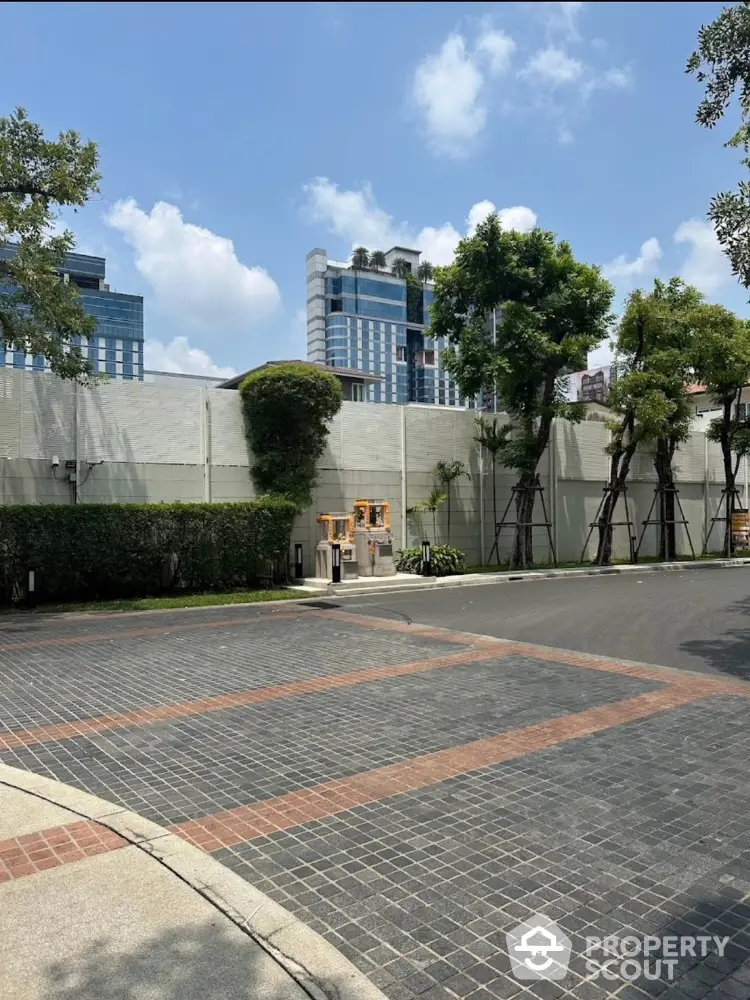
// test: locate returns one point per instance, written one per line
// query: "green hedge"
(446, 560)
(97, 551)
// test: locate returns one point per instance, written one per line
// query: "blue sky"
(235, 137)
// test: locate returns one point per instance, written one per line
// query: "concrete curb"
(315, 965)
(518, 576)
(430, 583)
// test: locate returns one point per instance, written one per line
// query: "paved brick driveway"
(409, 792)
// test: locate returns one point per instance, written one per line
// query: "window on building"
(400, 352)
(335, 305)
(743, 412)
(429, 357)
(358, 392)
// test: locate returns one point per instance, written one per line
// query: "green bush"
(446, 560)
(287, 408)
(101, 551)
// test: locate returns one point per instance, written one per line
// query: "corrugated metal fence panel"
(333, 456)
(371, 437)
(690, 460)
(11, 392)
(47, 416)
(580, 450)
(642, 467)
(430, 437)
(715, 463)
(136, 422)
(228, 441)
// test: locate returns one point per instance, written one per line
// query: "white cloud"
(356, 217)
(564, 135)
(553, 66)
(568, 15)
(706, 266)
(499, 49)
(447, 87)
(195, 275)
(478, 213)
(645, 263)
(437, 245)
(179, 356)
(619, 78)
(353, 215)
(519, 217)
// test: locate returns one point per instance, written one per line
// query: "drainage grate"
(321, 605)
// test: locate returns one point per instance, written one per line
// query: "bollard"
(31, 589)
(298, 570)
(426, 558)
(335, 563)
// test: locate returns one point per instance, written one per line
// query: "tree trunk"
(448, 508)
(729, 476)
(523, 541)
(619, 469)
(494, 509)
(667, 503)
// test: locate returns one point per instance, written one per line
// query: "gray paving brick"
(602, 820)
(174, 771)
(41, 686)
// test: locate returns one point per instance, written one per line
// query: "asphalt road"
(696, 620)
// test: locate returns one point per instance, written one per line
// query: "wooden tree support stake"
(516, 525)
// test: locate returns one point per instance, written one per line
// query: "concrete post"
(404, 536)
(706, 491)
(481, 505)
(205, 448)
(553, 484)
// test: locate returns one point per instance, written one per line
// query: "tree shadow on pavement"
(210, 961)
(701, 968)
(730, 652)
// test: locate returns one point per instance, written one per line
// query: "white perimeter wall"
(162, 443)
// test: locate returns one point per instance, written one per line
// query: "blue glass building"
(368, 320)
(117, 346)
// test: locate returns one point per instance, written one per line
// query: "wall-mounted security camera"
(55, 462)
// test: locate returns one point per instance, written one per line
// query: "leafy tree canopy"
(722, 63)
(287, 409)
(550, 311)
(519, 313)
(656, 342)
(37, 177)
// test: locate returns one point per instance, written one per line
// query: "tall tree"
(425, 271)
(38, 176)
(654, 354)
(722, 365)
(400, 267)
(431, 505)
(360, 258)
(492, 438)
(446, 472)
(377, 260)
(553, 310)
(722, 63)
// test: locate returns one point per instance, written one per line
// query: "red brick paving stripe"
(161, 713)
(422, 631)
(59, 845)
(78, 640)
(592, 661)
(244, 823)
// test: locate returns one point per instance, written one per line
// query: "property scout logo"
(538, 949)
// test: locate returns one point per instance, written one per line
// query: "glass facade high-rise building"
(375, 322)
(116, 347)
